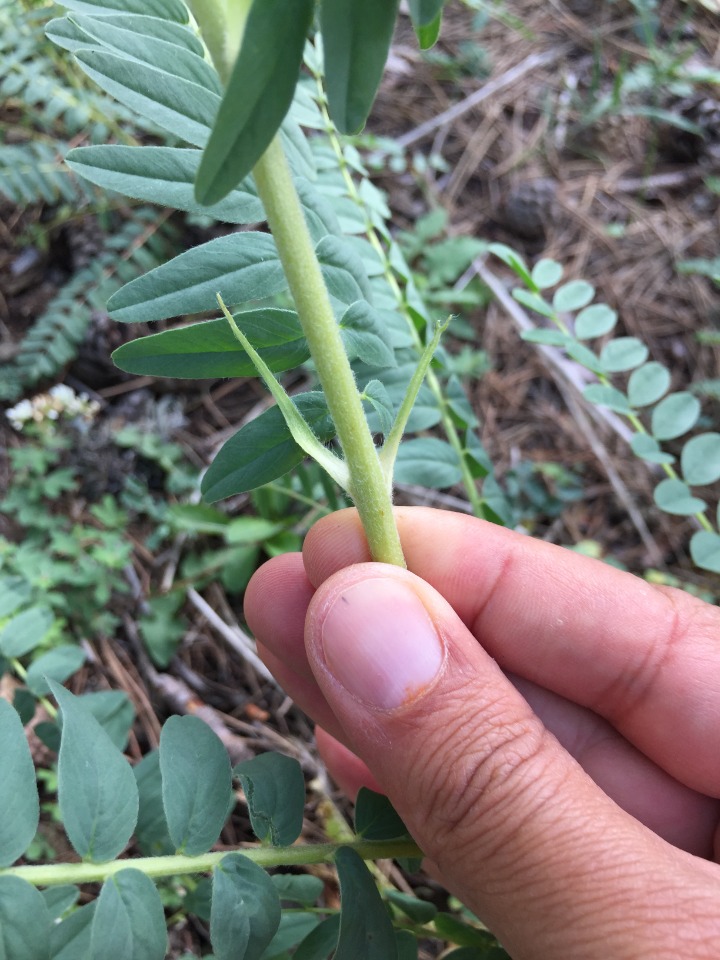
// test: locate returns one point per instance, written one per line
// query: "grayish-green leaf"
(14, 592)
(24, 921)
(705, 550)
(675, 415)
(114, 711)
(302, 888)
(376, 818)
(57, 664)
(96, 787)
(595, 321)
(648, 384)
(512, 260)
(245, 911)
(197, 784)
(319, 944)
(62, 30)
(343, 270)
(424, 12)
(429, 462)
(356, 40)
(258, 94)
(293, 928)
(210, 349)
(674, 496)
(263, 449)
(546, 273)
(533, 301)
(25, 631)
(162, 175)
(18, 791)
(623, 353)
(152, 831)
(275, 792)
(547, 336)
(460, 406)
(181, 107)
(378, 397)
(700, 459)
(365, 927)
(365, 336)
(70, 940)
(240, 267)
(174, 10)
(129, 916)
(647, 448)
(605, 396)
(573, 296)
(421, 911)
(59, 899)
(585, 356)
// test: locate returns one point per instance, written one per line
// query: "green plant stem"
(46, 875)
(367, 486)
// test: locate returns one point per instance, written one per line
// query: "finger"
(509, 818)
(637, 655)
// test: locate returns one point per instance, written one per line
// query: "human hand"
(545, 725)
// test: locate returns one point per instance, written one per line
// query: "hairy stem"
(46, 875)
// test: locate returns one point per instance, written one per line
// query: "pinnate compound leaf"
(573, 296)
(595, 321)
(605, 396)
(376, 818)
(318, 944)
(700, 459)
(18, 790)
(274, 788)
(25, 631)
(427, 461)
(648, 384)
(24, 921)
(647, 448)
(705, 550)
(258, 94)
(263, 449)
(365, 927)
(196, 783)
(181, 107)
(161, 175)
(245, 912)
(546, 273)
(623, 353)
(240, 267)
(356, 40)
(129, 916)
(365, 336)
(675, 415)
(96, 786)
(674, 496)
(210, 349)
(57, 664)
(174, 10)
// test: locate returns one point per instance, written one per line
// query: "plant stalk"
(47, 875)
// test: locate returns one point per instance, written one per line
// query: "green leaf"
(25, 631)
(647, 448)
(547, 337)
(365, 927)
(151, 831)
(705, 550)
(595, 321)
(623, 353)
(573, 296)
(428, 35)
(293, 928)
(533, 301)
(130, 916)
(258, 94)
(59, 899)
(245, 911)
(161, 175)
(24, 921)
(462, 412)
(241, 266)
(14, 592)
(605, 396)
(421, 911)
(365, 336)
(376, 394)
(343, 270)
(648, 384)
(323, 939)
(146, 26)
(114, 711)
(514, 261)
(453, 929)
(210, 350)
(700, 459)
(274, 788)
(174, 10)
(585, 356)
(674, 496)
(675, 415)
(24, 704)
(546, 273)
(302, 888)
(57, 664)
(197, 785)
(96, 787)
(429, 462)
(70, 940)
(407, 945)
(356, 41)
(18, 791)
(376, 818)
(263, 449)
(181, 107)
(423, 12)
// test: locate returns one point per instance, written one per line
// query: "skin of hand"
(546, 725)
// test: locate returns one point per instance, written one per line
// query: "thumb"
(512, 824)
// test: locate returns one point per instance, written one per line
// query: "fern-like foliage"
(35, 173)
(53, 339)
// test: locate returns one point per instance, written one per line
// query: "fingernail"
(380, 643)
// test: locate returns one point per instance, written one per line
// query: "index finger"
(645, 658)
